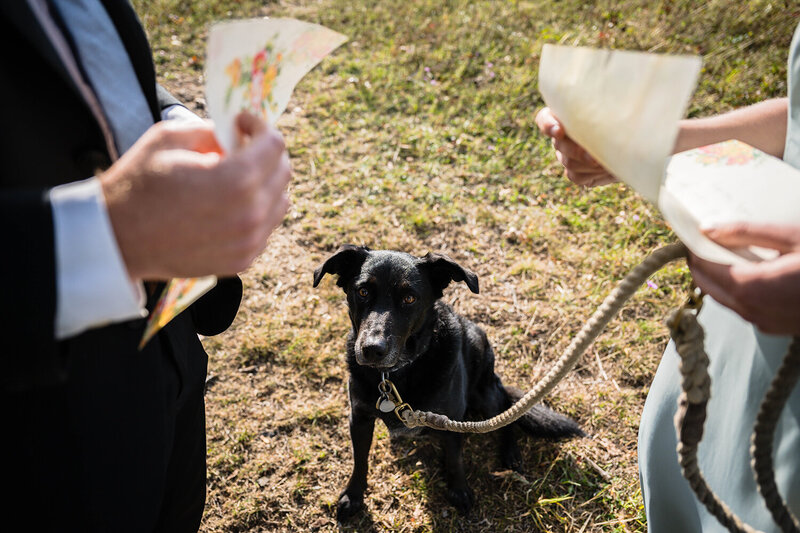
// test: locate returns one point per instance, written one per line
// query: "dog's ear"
(346, 263)
(442, 270)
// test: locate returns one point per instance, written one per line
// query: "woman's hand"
(766, 294)
(580, 167)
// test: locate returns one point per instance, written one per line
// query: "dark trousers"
(120, 446)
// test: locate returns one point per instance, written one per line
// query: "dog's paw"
(461, 498)
(348, 507)
(511, 458)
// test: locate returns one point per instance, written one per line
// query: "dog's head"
(390, 297)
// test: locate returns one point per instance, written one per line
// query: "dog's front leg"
(459, 494)
(352, 498)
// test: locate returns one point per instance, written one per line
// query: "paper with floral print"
(254, 65)
(177, 295)
(251, 65)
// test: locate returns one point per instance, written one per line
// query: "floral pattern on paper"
(728, 153)
(256, 76)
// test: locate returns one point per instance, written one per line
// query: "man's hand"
(179, 208)
(766, 294)
(579, 166)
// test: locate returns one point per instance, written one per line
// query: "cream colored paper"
(622, 106)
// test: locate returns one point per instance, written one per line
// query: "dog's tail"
(542, 422)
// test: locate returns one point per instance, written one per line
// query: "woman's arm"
(762, 125)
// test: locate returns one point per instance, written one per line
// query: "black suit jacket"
(50, 137)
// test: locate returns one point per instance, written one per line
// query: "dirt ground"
(279, 451)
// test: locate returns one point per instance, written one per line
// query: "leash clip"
(401, 410)
(694, 301)
(389, 400)
(693, 304)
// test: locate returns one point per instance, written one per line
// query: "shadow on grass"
(553, 492)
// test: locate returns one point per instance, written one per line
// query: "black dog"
(438, 360)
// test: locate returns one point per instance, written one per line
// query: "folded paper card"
(725, 183)
(251, 65)
(623, 108)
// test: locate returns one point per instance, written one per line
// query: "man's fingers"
(249, 125)
(765, 235)
(276, 214)
(276, 200)
(265, 151)
(207, 143)
(244, 248)
(266, 211)
(283, 173)
(196, 136)
(253, 167)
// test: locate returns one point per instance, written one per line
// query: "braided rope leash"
(696, 391)
(762, 440)
(607, 310)
(691, 415)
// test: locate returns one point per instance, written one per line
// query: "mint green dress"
(743, 363)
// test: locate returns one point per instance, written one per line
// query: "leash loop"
(761, 443)
(691, 415)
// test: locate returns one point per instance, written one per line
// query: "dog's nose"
(375, 349)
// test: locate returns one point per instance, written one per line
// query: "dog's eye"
(363, 292)
(409, 299)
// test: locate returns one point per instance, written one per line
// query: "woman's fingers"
(785, 239)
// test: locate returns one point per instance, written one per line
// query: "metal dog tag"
(389, 398)
(386, 405)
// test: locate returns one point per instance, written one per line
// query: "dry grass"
(393, 155)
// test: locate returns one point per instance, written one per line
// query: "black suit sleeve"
(30, 355)
(165, 99)
(214, 312)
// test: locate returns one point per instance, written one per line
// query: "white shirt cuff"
(178, 112)
(92, 284)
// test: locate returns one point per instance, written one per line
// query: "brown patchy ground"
(384, 157)
(278, 430)
(279, 450)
